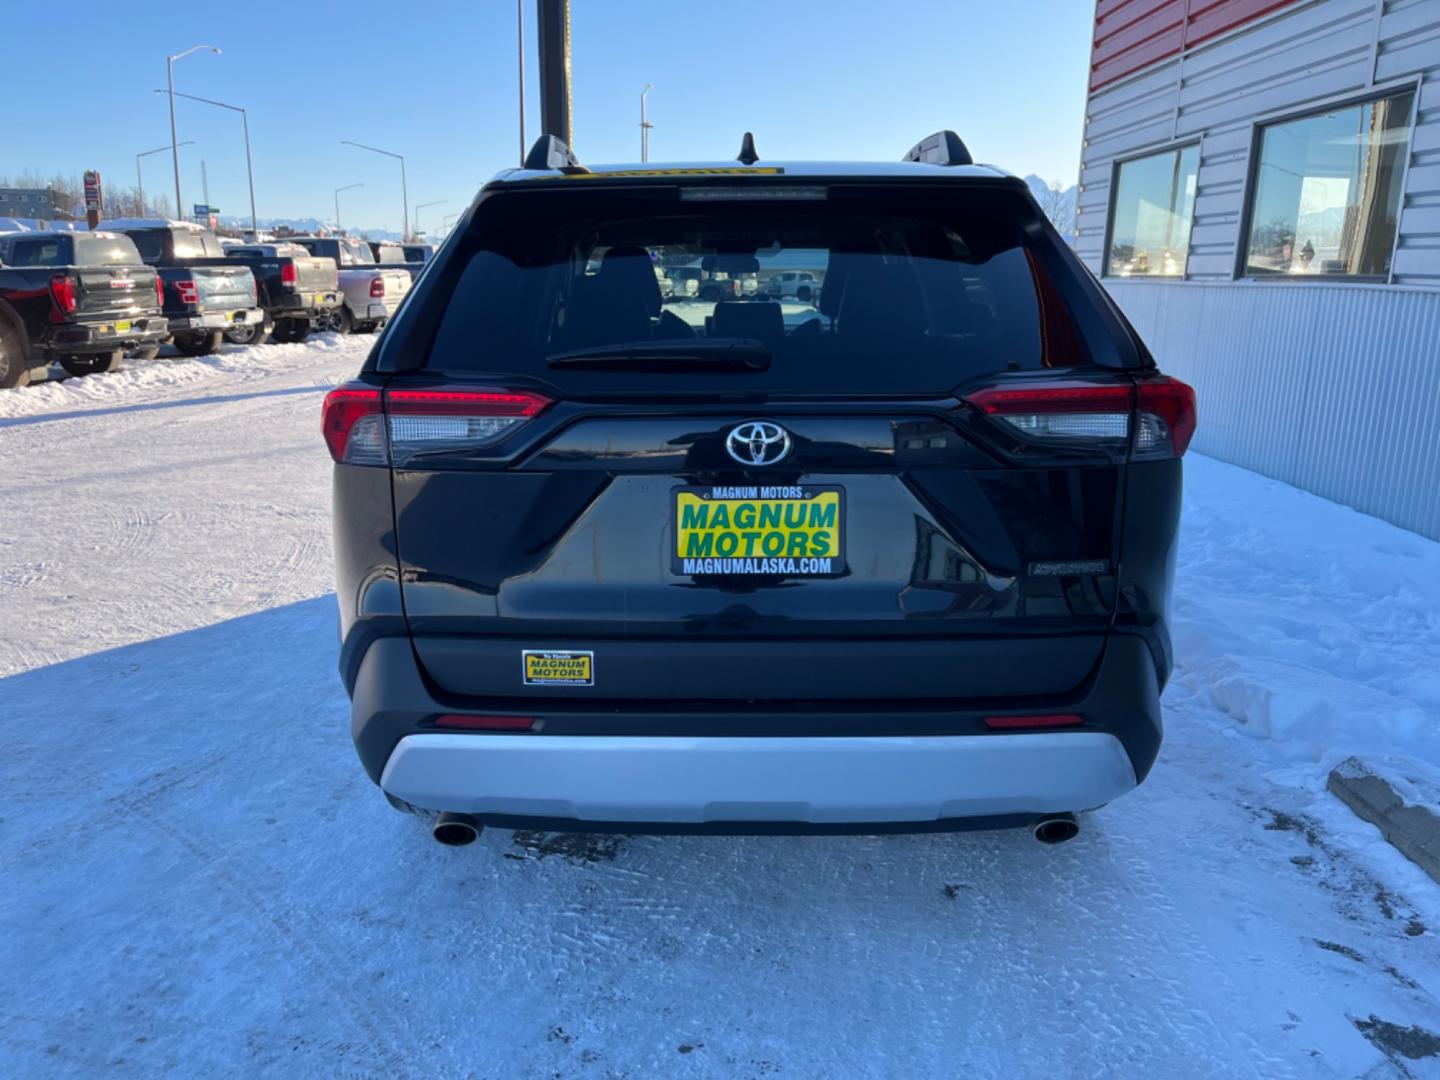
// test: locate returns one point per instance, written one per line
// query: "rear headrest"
(630, 267)
(749, 319)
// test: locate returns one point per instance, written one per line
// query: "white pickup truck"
(371, 292)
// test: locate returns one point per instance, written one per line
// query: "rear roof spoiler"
(550, 153)
(942, 148)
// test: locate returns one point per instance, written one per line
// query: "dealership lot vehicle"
(298, 291)
(206, 293)
(83, 299)
(370, 293)
(801, 284)
(744, 575)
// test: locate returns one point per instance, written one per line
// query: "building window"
(1327, 191)
(1150, 219)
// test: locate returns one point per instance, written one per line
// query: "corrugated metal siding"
(1333, 388)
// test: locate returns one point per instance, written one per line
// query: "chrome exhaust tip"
(1056, 829)
(457, 830)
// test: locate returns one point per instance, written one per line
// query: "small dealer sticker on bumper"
(547, 668)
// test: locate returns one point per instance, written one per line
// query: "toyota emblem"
(758, 442)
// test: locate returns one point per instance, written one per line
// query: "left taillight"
(364, 425)
(1077, 412)
(377, 288)
(62, 295)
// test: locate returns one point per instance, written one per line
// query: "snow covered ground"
(199, 880)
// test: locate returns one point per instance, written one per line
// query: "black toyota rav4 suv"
(896, 557)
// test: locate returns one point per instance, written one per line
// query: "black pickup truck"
(207, 294)
(83, 298)
(298, 291)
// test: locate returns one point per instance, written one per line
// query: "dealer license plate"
(759, 530)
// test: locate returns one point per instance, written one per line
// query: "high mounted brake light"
(365, 426)
(1080, 412)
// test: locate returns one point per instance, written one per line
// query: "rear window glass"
(899, 295)
(48, 252)
(105, 251)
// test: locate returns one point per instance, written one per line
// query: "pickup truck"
(206, 293)
(82, 298)
(298, 291)
(371, 292)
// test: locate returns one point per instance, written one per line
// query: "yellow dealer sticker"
(790, 530)
(548, 668)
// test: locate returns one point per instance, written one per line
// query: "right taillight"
(62, 296)
(1079, 413)
(289, 274)
(364, 425)
(159, 293)
(1166, 411)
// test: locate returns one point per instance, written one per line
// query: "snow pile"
(1307, 622)
(142, 377)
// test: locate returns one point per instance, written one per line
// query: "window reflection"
(1327, 191)
(1154, 203)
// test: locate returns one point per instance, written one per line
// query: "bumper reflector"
(1031, 723)
(485, 723)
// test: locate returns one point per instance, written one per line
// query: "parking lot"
(200, 879)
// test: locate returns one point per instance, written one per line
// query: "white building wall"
(1331, 386)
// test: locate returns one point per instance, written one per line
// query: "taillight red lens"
(364, 426)
(62, 294)
(377, 287)
(1173, 402)
(1038, 721)
(289, 275)
(485, 723)
(188, 292)
(346, 408)
(159, 292)
(1076, 411)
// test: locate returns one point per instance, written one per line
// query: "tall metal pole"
(404, 190)
(139, 179)
(174, 146)
(250, 175)
(645, 126)
(554, 47)
(244, 119)
(347, 187)
(520, 40)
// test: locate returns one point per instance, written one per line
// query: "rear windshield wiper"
(682, 354)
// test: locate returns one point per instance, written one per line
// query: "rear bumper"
(848, 780)
(806, 763)
(216, 320)
(79, 339)
(305, 305)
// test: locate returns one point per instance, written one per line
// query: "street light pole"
(174, 146)
(422, 206)
(140, 180)
(245, 119)
(347, 187)
(404, 189)
(645, 125)
(520, 39)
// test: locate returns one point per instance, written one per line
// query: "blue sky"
(436, 81)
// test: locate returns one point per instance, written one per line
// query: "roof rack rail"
(942, 148)
(748, 156)
(550, 153)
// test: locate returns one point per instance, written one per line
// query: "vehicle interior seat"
(617, 303)
(760, 320)
(881, 300)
